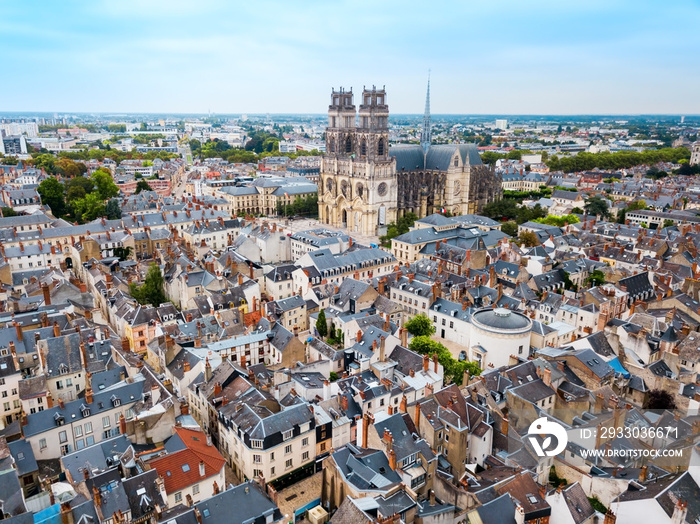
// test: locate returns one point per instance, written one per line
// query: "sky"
(259, 56)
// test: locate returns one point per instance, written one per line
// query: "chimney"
(217, 389)
(207, 370)
(359, 335)
(547, 377)
(18, 328)
(202, 472)
(416, 417)
(344, 402)
(56, 329)
(240, 279)
(366, 420)
(388, 438)
(643, 473)
(96, 496)
(61, 405)
(88, 395)
(403, 333)
(380, 286)
(47, 294)
(435, 363)
(504, 426)
(122, 424)
(426, 362)
(392, 459)
(382, 348)
(404, 404)
(432, 497)
(610, 517)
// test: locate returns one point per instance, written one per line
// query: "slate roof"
(365, 468)
(45, 420)
(251, 506)
(143, 494)
(408, 157)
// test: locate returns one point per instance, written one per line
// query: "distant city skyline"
(505, 58)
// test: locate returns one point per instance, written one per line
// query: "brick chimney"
(18, 329)
(404, 404)
(435, 363)
(47, 294)
(610, 517)
(122, 424)
(359, 335)
(392, 459)
(416, 417)
(426, 362)
(382, 349)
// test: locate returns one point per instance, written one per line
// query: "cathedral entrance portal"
(344, 218)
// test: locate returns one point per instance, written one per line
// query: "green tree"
(88, 208)
(668, 223)
(152, 291)
(659, 399)
(510, 228)
(104, 184)
(528, 239)
(8, 212)
(124, 253)
(420, 325)
(402, 225)
(596, 205)
(321, 325)
(453, 369)
(51, 191)
(596, 278)
(577, 211)
(112, 209)
(142, 185)
(78, 187)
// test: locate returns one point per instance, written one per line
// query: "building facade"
(366, 185)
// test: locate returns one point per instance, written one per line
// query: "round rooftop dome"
(501, 319)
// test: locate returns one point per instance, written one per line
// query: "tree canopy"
(152, 291)
(596, 205)
(619, 160)
(321, 324)
(142, 185)
(51, 191)
(453, 369)
(420, 325)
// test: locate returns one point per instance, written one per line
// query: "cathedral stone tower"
(356, 190)
(366, 185)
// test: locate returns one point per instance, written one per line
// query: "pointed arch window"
(380, 147)
(363, 147)
(331, 145)
(348, 145)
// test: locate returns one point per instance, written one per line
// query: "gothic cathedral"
(365, 184)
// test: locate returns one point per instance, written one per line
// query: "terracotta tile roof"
(252, 319)
(181, 469)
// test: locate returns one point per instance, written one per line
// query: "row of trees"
(401, 226)
(620, 160)
(305, 206)
(82, 198)
(250, 155)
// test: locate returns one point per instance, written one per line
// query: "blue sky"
(496, 56)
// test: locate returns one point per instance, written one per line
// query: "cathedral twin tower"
(365, 184)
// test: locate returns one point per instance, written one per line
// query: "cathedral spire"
(426, 133)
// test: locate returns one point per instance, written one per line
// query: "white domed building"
(498, 333)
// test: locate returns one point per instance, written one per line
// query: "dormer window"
(58, 418)
(116, 401)
(84, 410)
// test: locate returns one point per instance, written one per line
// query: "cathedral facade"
(366, 184)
